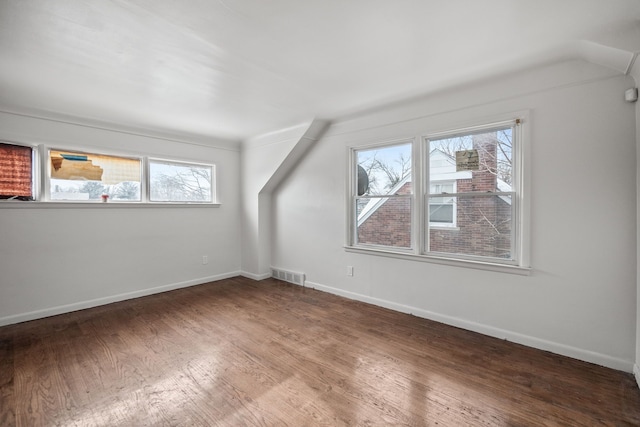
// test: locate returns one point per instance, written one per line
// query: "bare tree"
(189, 184)
(498, 162)
(395, 171)
(126, 191)
(94, 188)
(369, 164)
(504, 159)
(385, 173)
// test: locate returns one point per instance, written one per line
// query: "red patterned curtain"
(15, 171)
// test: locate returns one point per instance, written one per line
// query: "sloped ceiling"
(237, 68)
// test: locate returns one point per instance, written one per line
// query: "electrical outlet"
(349, 270)
(205, 260)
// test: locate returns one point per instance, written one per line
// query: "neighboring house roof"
(374, 204)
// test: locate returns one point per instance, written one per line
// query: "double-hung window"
(483, 197)
(442, 210)
(460, 201)
(383, 199)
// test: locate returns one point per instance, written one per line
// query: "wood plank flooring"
(239, 352)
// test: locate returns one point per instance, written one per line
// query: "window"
(171, 181)
(464, 207)
(85, 177)
(88, 177)
(484, 200)
(442, 210)
(16, 172)
(384, 210)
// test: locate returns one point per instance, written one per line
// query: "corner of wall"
(262, 172)
(253, 276)
(634, 68)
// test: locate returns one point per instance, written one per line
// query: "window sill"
(443, 228)
(14, 204)
(488, 266)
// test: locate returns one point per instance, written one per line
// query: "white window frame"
(46, 176)
(515, 238)
(35, 172)
(353, 195)
(214, 181)
(420, 224)
(446, 225)
(41, 181)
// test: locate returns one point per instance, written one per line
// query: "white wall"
(580, 299)
(261, 157)
(266, 161)
(635, 73)
(54, 260)
(636, 368)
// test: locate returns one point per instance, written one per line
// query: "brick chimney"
(484, 179)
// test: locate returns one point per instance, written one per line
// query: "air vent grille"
(288, 276)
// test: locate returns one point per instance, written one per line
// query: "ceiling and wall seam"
(82, 122)
(468, 106)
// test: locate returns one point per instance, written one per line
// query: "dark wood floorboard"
(239, 352)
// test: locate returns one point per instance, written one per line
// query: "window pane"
(16, 179)
(444, 187)
(85, 176)
(388, 169)
(442, 209)
(180, 182)
(483, 228)
(440, 213)
(479, 162)
(384, 221)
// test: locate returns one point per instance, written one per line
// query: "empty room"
(287, 212)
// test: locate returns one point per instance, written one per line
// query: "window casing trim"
(441, 260)
(521, 212)
(214, 181)
(516, 237)
(352, 188)
(41, 181)
(59, 204)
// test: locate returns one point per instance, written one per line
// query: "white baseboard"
(636, 373)
(554, 347)
(67, 308)
(255, 276)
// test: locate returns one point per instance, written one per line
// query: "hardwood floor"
(239, 352)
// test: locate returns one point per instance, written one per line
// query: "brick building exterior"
(482, 225)
(390, 222)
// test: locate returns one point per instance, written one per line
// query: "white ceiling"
(238, 68)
